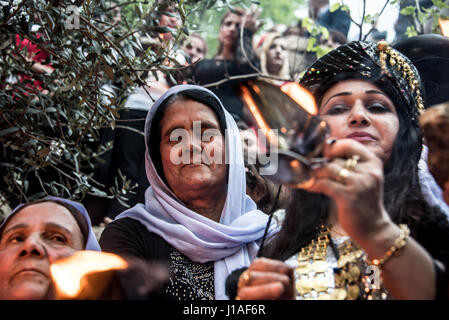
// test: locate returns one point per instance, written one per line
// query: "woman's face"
(229, 30)
(192, 150)
(276, 56)
(195, 48)
(31, 241)
(169, 21)
(359, 110)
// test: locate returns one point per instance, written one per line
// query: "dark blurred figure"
(405, 21)
(319, 10)
(430, 54)
(336, 39)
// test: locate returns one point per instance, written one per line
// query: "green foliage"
(207, 22)
(49, 137)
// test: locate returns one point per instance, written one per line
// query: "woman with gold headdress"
(343, 233)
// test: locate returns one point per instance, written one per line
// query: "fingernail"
(331, 141)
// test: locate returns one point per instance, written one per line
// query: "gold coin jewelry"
(350, 282)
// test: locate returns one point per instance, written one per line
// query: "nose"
(32, 246)
(358, 115)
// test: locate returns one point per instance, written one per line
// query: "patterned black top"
(190, 280)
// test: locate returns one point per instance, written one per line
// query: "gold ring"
(352, 162)
(343, 174)
(244, 278)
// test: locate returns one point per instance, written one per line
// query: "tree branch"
(381, 11)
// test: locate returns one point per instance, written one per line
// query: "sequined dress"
(190, 280)
(332, 281)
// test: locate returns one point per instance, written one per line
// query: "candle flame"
(69, 274)
(301, 96)
(444, 26)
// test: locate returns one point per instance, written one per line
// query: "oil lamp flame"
(444, 25)
(246, 95)
(301, 96)
(69, 274)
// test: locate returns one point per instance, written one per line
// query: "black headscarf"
(362, 60)
(383, 66)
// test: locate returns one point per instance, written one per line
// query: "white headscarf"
(231, 243)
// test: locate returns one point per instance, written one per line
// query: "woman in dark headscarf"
(370, 96)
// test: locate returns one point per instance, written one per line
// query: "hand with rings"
(353, 178)
(350, 165)
(266, 279)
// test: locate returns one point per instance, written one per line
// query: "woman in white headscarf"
(196, 215)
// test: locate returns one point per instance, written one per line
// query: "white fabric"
(430, 189)
(234, 241)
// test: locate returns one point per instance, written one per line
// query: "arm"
(411, 275)
(359, 201)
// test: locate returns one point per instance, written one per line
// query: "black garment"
(338, 20)
(189, 280)
(126, 155)
(209, 71)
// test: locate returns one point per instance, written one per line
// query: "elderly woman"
(34, 236)
(196, 215)
(349, 227)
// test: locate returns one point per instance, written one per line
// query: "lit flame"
(444, 25)
(259, 119)
(301, 96)
(69, 273)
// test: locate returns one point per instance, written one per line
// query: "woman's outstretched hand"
(252, 21)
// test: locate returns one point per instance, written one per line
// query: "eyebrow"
(58, 226)
(348, 93)
(204, 125)
(17, 226)
(49, 225)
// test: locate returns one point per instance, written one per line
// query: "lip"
(361, 136)
(30, 271)
(190, 165)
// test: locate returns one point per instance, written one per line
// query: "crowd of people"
(371, 220)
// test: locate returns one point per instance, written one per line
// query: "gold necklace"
(312, 268)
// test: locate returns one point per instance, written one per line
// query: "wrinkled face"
(229, 30)
(31, 241)
(276, 56)
(195, 48)
(192, 149)
(359, 110)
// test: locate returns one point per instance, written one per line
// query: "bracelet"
(399, 243)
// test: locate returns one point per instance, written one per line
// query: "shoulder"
(128, 236)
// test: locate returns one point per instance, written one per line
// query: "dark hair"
(238, 11)
(402, 197)
(78, 216)
(154, 135)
